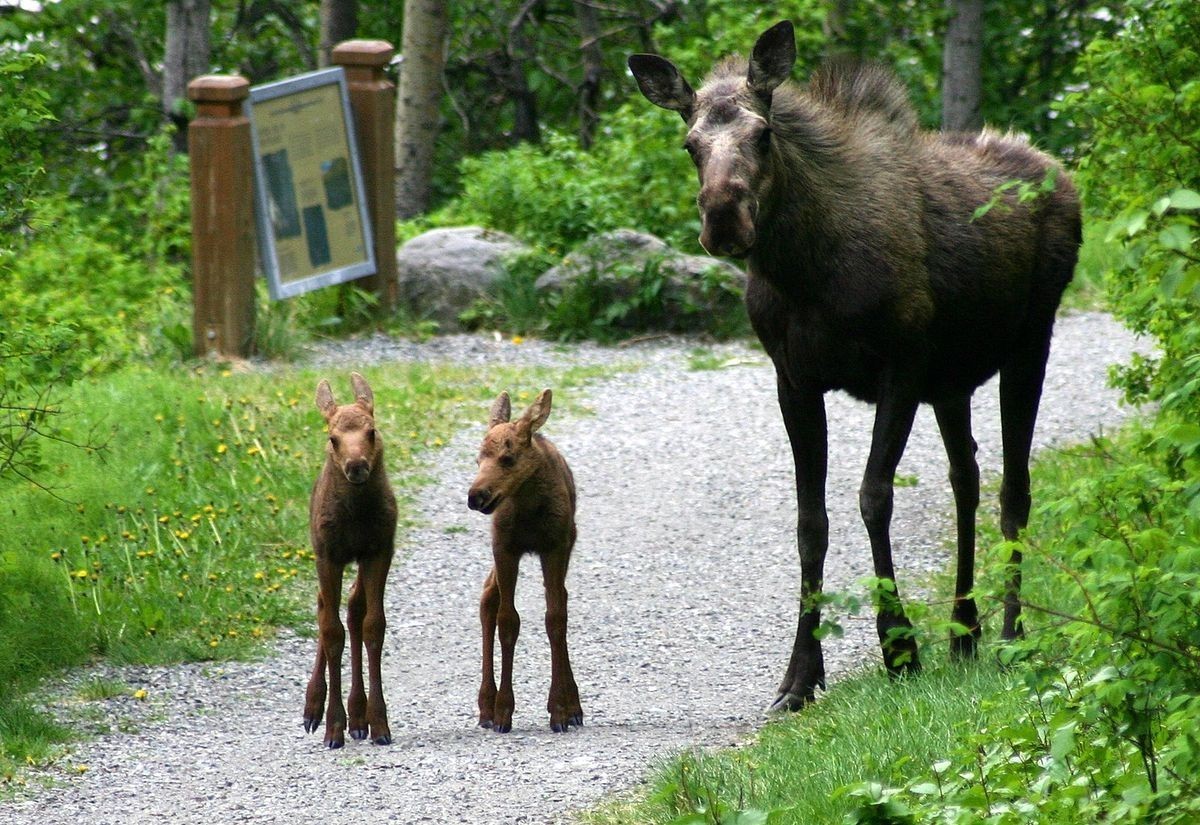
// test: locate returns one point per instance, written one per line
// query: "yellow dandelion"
(140, 694)
(222, 449)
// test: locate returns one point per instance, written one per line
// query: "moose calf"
(352, 518)
(526, 486)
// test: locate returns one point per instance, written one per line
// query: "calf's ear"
(362, 393)
(662, 84)
(772, 59)
(325, 402)
(501, 411)
(535, 416)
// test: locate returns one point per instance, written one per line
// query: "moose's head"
(354, 446)
(729, 134)
(507, 457)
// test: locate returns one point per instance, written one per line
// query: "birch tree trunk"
(188, 54)
(593, 69)
(419, 104)
(962, 57)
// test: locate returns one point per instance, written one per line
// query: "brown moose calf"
(524, 483)
(352, 518)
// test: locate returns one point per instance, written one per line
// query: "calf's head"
(507, 457)
(729, 134)
(354, 446)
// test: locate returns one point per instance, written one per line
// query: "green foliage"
(23, 117)
(1142, 173)
(557, 195)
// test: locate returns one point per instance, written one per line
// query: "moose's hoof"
(486, 724)
(502, 728)
(560, 727)
(383, 739)
(334, 744)
(358, 733)
(310, 725)
(576, 720)
(788, 702)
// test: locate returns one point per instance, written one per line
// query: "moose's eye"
(764, 138)
(333, 440)
(690, 148)
(507, 461)
(371, 435)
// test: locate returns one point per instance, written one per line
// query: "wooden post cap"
(218, 88)
(363, 53)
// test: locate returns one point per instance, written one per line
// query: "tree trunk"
(962, 58)
(834, 28)
(419, 104)
(593, 69)
(188, 53)
(339, 21)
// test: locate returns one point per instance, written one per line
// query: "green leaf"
(1176, 236)
(1185, 199)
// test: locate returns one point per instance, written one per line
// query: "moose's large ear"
(501, 411)
(772, 59)
(662, 84)
(325, 402)
(535, 416)
(362, 393)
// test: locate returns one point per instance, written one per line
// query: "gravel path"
(683, 599)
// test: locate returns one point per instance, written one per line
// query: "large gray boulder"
(693, 287)
(443, 271)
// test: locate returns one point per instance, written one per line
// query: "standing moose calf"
(526, 486)
(352, 518)
(869, 273)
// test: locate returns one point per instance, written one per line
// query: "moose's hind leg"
(954, 422)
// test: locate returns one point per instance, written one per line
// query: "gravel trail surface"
(683, 590)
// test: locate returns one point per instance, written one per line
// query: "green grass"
(185, 537)
(865, 728)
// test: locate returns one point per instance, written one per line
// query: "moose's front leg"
(894, 414)
(372, 575)
(333, 642)
(356, 700)
(489, 604)
(803, 409)
(563, 701)
(314, 696)
(508, 625)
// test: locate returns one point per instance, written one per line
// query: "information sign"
(313, 227)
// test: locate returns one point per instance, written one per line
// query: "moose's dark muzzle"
(727, 215)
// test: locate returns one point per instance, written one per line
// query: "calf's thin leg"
(333, 642)
(356, 701)
(314, 696)
(894, 413)
(508, 625)
(489, 604)
(563, 701)
(803, 409)
(1020, 393)
(372, 575)
(954, 422)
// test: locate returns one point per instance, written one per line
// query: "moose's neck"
(801, 219)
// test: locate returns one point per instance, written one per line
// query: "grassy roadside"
(185, 537)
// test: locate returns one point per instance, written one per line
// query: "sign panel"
(313, 227)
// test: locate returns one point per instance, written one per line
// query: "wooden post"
(223, 244)
(373, 101)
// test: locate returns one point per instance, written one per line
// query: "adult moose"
(869, 274)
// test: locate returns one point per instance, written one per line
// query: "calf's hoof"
(382, 739)
(358, 734)
(500, 727)
(310, 724)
